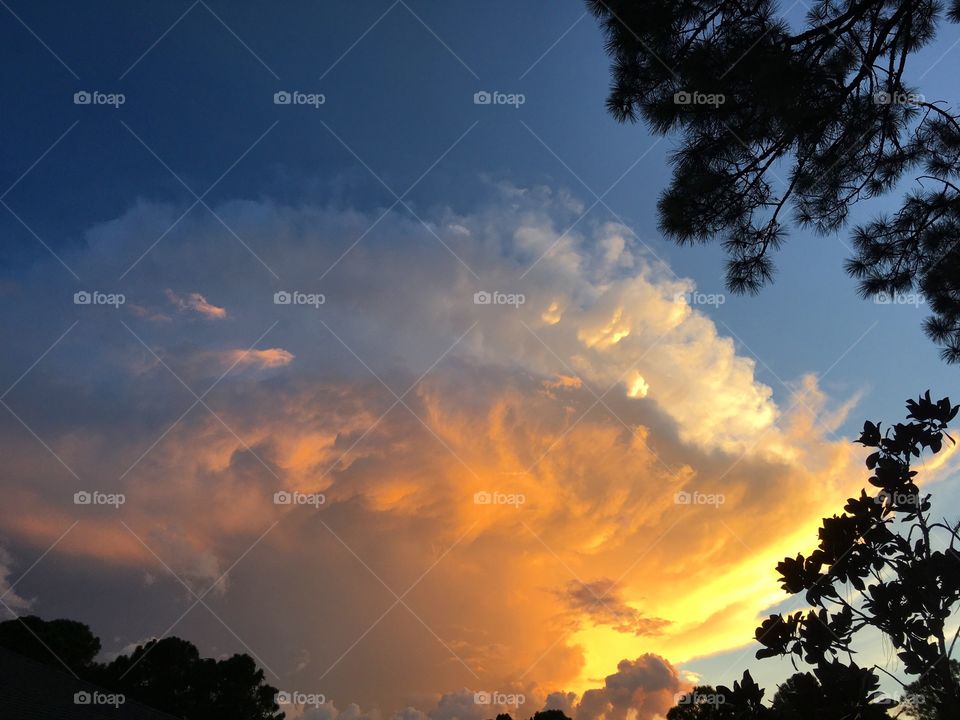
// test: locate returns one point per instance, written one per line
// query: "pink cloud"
(257, 359)
(196, 303)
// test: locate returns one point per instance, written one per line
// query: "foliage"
(541, 715)
(166, 674)
(549, 715)
(50, 642)
(903, 568)
(698, 704)
(812, 120)
(921, 701)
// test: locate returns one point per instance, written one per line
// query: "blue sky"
(399, 79)
(399, 98)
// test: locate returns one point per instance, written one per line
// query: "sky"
(534, 449)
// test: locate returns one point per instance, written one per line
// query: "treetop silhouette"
(167, 674)
(775, 121)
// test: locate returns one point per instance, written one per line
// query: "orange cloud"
(603, 436)
(259, 359)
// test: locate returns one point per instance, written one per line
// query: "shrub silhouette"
(921, 700)
(904, 569)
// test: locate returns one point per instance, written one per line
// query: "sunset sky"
(503, 484)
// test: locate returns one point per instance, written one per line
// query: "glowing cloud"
(532, 471)
(260, 359)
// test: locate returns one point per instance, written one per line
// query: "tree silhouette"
(541, 715)
(775, 120)
(921, 701)
(52, 643)
(698, 704)
(904, 568)
(833, 691)
(549, 715)
(741, 702)
(790, 695)
(169, 674)
(166, 674)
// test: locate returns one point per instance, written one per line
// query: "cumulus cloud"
(643, 689)
(586, 408)
(565, 702)
(461, 705)
(329, 711)
(409, 713)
